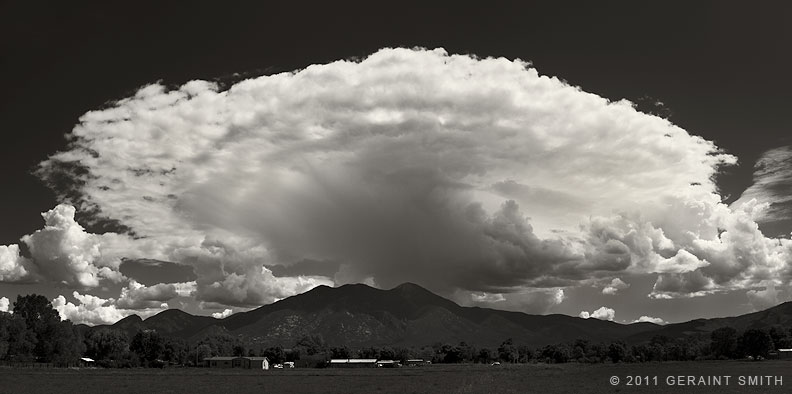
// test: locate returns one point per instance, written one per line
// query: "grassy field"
(531, 378)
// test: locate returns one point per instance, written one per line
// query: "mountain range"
(358, 315)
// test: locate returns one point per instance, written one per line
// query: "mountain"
(357, 315)
(779, 315)
(172, 322)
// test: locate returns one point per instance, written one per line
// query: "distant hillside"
(779, 315)
(409, 315)
(172, 322)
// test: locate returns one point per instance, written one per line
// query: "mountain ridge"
(358, 315)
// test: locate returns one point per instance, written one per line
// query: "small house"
(785, 354)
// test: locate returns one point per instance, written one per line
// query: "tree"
(369, 352)
(485, 356)
(176, 351)
(340, 352)
(291, 354)
(403, 354)
(8, 334)
(222, 344)
(755, 343)
(50, 337)
(724, 342)
(387, 353)
(597, 353)
(617, 351)
(18, 340)
(201, 352)
(524, 353)
(507, 351)
(238, 349)
(641, 353)
(451, 354)
(148, 346)
(579, 349)
(106, 344)
(312, 344)
(276, 355)
(554, 353)
(63, 344)
(780, 338)
(35, 309)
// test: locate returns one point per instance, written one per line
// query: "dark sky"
(721, 68)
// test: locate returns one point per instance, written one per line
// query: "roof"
(785, 350)
(219, 358)
(87, 359)
(387, 362)
(353, 361)
(255, 358)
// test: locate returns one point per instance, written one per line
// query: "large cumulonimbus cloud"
(463, 174)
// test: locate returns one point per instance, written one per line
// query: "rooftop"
(353, 360)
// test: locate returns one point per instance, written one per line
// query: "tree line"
(35, 333)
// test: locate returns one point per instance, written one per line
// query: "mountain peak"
(170, 312)
(130, 319)
(409, 286)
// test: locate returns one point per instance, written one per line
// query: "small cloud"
(649, 319)
(614, 287)
(487, 297)
(682, 262)
(223, 314)
(603, 313)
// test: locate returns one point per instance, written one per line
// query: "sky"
(622, 162)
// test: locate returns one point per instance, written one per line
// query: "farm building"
(254, 362)
(353, 363)
(388, 364)
(785, 354)
(237, 362)
(219, 362)
(417, 362)
(87, 362)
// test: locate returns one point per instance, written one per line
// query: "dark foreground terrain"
(531, 378)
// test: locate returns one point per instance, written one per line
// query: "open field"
(564, 378)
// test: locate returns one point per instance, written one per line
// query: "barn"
(237, 362)
(785, 354)
(219, 362)
(353, 363)
(254, 362)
